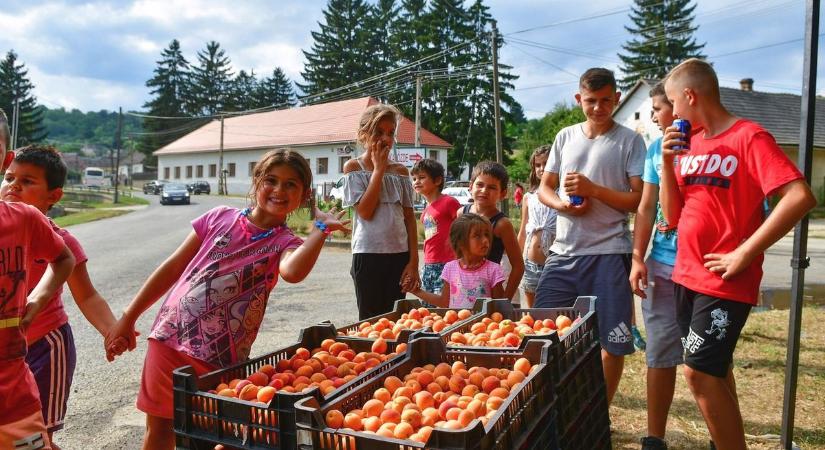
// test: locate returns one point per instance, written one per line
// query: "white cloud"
(85, 94)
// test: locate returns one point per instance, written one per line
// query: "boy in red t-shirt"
(25, 236)
(714, 192)
(441, 211)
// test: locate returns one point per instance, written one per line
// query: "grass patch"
(760, 375)
(818, 212)
(123, 200)
(88, 216)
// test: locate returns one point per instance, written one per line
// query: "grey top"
(385, 232)
(608, 160)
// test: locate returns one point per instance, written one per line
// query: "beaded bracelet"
(322, 227)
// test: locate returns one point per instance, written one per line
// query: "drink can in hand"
(684, 127)
(576, 200)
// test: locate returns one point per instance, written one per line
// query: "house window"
(213, 170)
(188, 171)
(165, 173)
(322, 166)
(199, 171)
(342, 160)
(177, 172)
(231, 167)
(637, 115)
(252, 168)
(434, 154)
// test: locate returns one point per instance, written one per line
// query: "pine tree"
(211, 81)
(338, 56)
(411, 40)
(170, 88)
(275, 91)
(244, 88)
(662, 38)
(15, 84)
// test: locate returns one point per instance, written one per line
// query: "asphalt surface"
(124, 250)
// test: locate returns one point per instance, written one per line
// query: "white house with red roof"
(325, 134)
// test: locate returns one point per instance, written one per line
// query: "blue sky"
(94, 55)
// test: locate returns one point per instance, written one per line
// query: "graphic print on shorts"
(719, 323)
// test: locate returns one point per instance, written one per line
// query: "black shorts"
(377, 278)
(710, 329)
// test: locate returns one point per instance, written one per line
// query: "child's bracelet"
(322, 227)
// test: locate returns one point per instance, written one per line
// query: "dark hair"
(461, 228)
(597, 78)
(432, 168)
(534, 180)
(658, 89)
(281, 157)
(47, 157)
(5, 134)
(493, 169)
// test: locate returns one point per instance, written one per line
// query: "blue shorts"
(532, 273)
(664, 336)
(431, 277)
(52, 360)
(605, 276)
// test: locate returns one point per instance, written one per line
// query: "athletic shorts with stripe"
(52, 360)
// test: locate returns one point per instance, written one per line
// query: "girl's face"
(280, 192)
(383, 136)
(538, 165)
(478, 242)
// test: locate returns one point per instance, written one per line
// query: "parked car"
(174, 193)
(337, 191)
(462, 194)
(153, 187)
(457, 183)
(199, 187)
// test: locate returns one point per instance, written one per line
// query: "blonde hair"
(461, 229)
(374, 115)
(281, 157)
(696, 74)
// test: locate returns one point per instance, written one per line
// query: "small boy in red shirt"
(713, 192)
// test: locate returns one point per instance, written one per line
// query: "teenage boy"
(25, 237)
(598, 162)
(714, 195)
(651, 281)
(441, 211)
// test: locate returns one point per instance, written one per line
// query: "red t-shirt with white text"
(437, 218)
(724, 181)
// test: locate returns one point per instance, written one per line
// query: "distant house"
(777, 113)
(325, 134)
(131, 163)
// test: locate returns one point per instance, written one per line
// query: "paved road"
(124, 250)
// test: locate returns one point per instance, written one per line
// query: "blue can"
(684, 128)
(576, 200)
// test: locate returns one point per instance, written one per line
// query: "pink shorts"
(28, 433)
(155, 396)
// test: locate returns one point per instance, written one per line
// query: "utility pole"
(497, 109)
(418, 110)
(220, 164)
(15, 123)
(117, 150)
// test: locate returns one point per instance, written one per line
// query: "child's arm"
(90, 302)
(548, 195)
(161, 280)
(441, 300)
(296, 264)
(369, 201)
(522, 229)
(410, 279)
(505, 231)
(578, 184)
(61, 267)
(796, 200)
(670, 196)
(497, 291)
(642, 228)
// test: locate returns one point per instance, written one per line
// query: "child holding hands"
(220, 279)
(472, 275)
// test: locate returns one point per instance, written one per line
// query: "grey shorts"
(532, 273)
(566, 277)
(664, 343)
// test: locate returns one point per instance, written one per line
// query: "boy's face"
(424, 184)
(682, 101)
(662, 113)
(486, 190)
(598, 105)
(26, 183)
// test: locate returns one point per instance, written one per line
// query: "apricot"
(563, 321)
(425, 377)
(429, 416)
(442, 369)
(240, 385)
(403, 430)
(371, 424)
(425, 432)
(353, 421)
(476, 378)
(453, 413)
(496, 317)
(249, 392)
(304, 371)
(296, 363)
(334, 418)
(514, 377)
(500, 392)
(266, 393)
(382, 394)
(373, 408)
(411, 416)
(379, 346)
(476, 407)
(493, 403)
(392, 383)
(221, 387)
(444, 407)
(457, 384)
(465, 417)
(451, 316)
(228, 392)
(390, 415)
(470, 390)
(337, 348)
(522, 365)
(490, 383)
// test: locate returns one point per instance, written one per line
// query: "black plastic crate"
(403, 306)
(583, 413)
(527, 412)
(203, 419)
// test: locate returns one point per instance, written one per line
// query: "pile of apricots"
(496, 331)
(415, 319)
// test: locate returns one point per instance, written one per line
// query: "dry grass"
(760, 375)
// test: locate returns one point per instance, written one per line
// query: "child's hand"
(574, 210)
(380, 156)
(120, 338)
(409, 279)
(728, 264)
(638, 277)
(673, 138)
(578, 184)
(332, 219)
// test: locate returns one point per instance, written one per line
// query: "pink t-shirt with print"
(468, 285)
(214, 311)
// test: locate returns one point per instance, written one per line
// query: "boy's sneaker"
(653, 443)
(638, 340)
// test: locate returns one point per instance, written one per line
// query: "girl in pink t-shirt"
(472, 275)
(219, 281)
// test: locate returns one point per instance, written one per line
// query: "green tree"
(411, 38)
(16, 86)
(211, 81)
(662, 38)
(244, 88)
(338, 56)
(543, 131)
(275, 90)
(171, 94)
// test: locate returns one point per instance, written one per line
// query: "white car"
(337, 191)
(462, 194)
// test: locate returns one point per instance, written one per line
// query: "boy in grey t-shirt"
(601, 163)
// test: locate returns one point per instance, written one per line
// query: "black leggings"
(377, 278)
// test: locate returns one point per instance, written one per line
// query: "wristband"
(322, 227)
